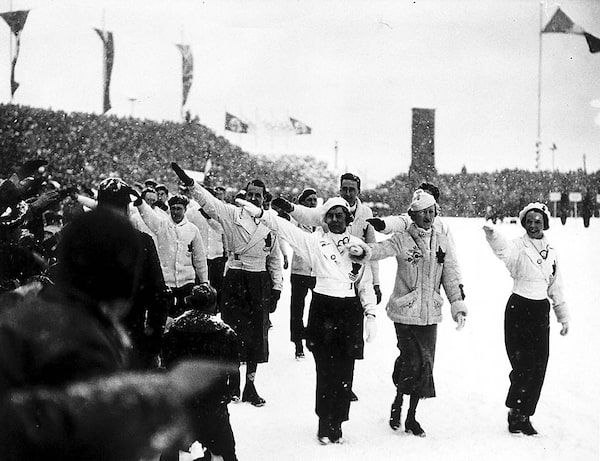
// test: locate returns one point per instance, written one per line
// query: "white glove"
(370, 328)
(460, 321)
(358, 251)
(250, 208)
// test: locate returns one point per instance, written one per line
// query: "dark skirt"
(413, 370)
(245, 308)
(335, 326)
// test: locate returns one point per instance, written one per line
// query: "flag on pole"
(109, 53)
(235, 124)
(16, 22)
(299, 127)
(562, 24)
(187, 70)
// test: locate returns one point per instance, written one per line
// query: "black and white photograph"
(299, 229)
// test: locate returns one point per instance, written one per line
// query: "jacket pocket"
(404, 306)
(438, 302)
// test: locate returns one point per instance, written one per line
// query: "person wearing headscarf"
(534, 267)
(426, 260)
(342, 306)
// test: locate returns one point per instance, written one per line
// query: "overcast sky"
(351, 70)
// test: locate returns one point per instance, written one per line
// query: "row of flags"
(559, 23)
(237, 125)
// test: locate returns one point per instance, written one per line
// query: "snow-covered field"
(467, 419)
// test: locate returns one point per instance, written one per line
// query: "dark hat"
(305, 193)
(114, 192)
(161, 187)
(150, 183)
(203, 298)
(178, 200)
(99, 256)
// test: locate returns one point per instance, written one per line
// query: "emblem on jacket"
(268, 241)
(353, 275)
(413, 255)
(440, 255)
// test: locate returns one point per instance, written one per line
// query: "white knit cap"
(333, 202)
(538, 206)
(420, 200)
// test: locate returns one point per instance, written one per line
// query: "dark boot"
(395, 413)
(412, 425)
(335, 432)
(299, 350)
(323, 432)
(519, 423)
(250, 395)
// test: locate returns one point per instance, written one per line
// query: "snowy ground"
(467, 419)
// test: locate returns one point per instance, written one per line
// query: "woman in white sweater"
(535, 270)
(343, 300)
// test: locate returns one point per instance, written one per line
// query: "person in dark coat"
(65, 392)
(564, 207)
(199, 334)
(146, 320)
(587, 207)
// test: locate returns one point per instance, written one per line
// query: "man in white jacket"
(343, 303)
(180, 249)
(253, 278)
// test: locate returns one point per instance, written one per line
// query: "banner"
(235, 124)
(16, 22)
(187, 70)
(299, 127)
(109, 53)
(562, 24)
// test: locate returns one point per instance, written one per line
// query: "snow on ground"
(467, 419)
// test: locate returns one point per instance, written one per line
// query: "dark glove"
(136, 194)
(204, 213)
(275, 295)
(377, 293)
(282, 204)
(378, 224)
(284, 215)
(182, 175)
(30, 167)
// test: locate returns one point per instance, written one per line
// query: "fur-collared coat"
(422, 269)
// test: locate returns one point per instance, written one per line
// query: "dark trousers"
(216, 267)
(179, 294)
(300, 285)
(334, 377)
(527, 340)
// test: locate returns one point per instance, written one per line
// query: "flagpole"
(104, 55)
(182, 42)
(538, 142)
(10, 46)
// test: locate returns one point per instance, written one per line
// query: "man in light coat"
(180, 249)
(253, 278)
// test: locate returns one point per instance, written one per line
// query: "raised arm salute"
(253, 277)
(535, 270)
(343, 296)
